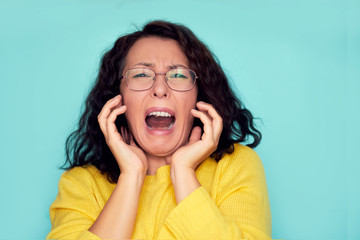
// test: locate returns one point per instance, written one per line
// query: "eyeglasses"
(178, 79)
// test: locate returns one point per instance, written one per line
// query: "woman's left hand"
(200, 146)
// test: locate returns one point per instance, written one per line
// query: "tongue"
(159, 122)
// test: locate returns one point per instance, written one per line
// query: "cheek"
(127, 97)
(132, 105)
(133, 108)
(190, 103)
(192, 98)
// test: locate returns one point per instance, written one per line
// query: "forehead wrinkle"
(144, 64)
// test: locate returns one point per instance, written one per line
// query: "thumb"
(195, 135)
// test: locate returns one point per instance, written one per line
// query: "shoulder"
(242, 167)
(241, 161)
(77, 199)
(82, 172)
(84, 177)
(242, 157)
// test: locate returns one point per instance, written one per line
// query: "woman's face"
(159, 118)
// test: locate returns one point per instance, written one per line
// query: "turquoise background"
(295, 64)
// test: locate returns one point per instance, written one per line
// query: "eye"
(141, 75)
(177, 75)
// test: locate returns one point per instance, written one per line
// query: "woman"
(157, 154)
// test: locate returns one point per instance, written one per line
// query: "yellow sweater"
(232, 202)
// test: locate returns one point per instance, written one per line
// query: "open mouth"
(159, 120)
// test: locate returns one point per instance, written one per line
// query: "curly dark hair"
(87, 145)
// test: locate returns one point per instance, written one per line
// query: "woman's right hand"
(130, 158)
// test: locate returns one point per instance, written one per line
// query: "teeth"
(160, 114)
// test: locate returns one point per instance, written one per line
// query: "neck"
(155, 162)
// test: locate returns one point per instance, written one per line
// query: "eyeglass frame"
(154, 79)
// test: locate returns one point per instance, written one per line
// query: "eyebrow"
(151, 65)
(177, 66)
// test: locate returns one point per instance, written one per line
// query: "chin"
(161, 146)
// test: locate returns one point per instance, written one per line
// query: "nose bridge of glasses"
(161, 74)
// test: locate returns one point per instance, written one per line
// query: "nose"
(160, 88)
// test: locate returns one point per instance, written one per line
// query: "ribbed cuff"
(87, 235)
(194, 216)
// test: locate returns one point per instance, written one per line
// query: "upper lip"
(159, 109)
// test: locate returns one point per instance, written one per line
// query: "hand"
(130, 158)
(200, 146)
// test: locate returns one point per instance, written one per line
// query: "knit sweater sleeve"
(75, 208)
(237, 207)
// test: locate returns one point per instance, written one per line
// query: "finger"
(217, 121)
(195, 135)
(110, 121)
(210, 109)
(106, 110)
(208, 128)
(108, 106)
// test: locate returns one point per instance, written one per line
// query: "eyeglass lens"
(180, 79)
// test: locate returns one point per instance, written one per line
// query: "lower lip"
(159, 132)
